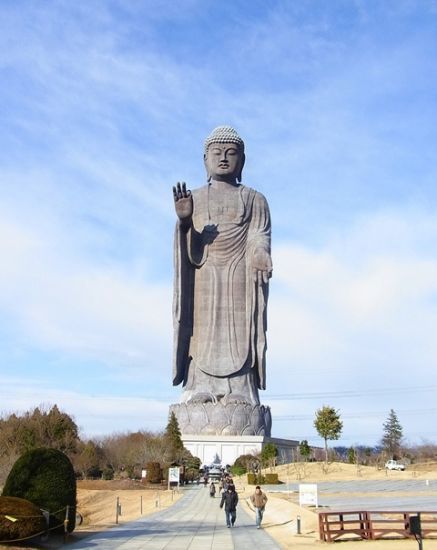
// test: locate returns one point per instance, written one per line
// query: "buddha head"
(224, 155)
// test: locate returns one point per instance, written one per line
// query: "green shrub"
(46, 478)
(94, 473)
(130, 470)
(108, 473)
(237, 470)
(29, 519)
(271, 479)
(246, 462)
(154, 474)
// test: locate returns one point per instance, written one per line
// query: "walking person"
(212, 490)
(225, 483)
(230, 501)
(259, 500)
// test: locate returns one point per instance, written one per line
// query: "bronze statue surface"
(222, 270)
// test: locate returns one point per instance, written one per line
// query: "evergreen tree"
(392, 438)
(192, 466)
(268, 455)
(328, 425)
(38, 427)
(304, 450)
(172, 437)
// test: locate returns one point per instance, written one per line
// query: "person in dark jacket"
(212, 490)
(230, 501)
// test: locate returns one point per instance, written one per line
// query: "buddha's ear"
(240, 171)
(208, 175)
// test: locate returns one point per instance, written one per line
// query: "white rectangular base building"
(226, 449)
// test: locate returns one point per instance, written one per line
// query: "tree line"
(125, 454)
(392, 445)
(120, 455)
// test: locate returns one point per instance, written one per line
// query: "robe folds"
(219, 304)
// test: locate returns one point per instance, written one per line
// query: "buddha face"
(224, 162)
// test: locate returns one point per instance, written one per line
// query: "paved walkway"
(194, 522)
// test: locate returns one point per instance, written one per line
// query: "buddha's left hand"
(262, 265)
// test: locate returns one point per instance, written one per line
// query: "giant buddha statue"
(222, 270)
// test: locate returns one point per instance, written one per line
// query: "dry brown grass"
(118, 485)
(339, 471)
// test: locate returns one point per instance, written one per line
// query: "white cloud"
(358, 311)
(350, 317)
(346, 287)
(63, 302)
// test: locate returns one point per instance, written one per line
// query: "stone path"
(195, 522)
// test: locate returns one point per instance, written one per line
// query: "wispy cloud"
(63, 302)
(368, 293)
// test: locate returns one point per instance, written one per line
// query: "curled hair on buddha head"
(226, 134)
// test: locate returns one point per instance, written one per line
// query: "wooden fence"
(373, 525)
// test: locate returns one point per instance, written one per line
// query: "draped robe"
(219, 307)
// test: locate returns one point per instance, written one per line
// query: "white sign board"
(144, 474)
(308, 494)
(173, 475)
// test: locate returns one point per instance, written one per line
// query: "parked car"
(394, 465)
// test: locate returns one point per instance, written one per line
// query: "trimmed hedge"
(29, 520)
(271, 479)
(255, 479)
(46, 478)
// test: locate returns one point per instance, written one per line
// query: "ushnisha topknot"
(224, 134)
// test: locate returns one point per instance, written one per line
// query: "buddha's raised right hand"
(183, 202)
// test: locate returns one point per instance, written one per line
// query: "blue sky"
(105, 105)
